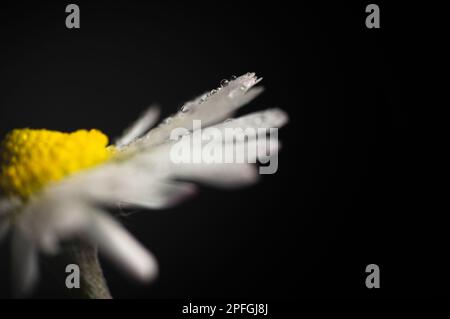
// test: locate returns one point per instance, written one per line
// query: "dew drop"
(224, 82)
(202, 98)
(233, 77)
(185, 108)
(212, 92)
(168, 120)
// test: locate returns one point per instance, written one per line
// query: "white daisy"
(56, 186)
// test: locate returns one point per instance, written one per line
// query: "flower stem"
(92, 282)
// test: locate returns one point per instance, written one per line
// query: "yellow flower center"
(31, 159)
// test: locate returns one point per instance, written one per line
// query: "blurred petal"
(140, 126)
(119, 246)
(127, 182)
(52, 217)
(24, 264)
(266, 119)
(218, 175)
(164, 194)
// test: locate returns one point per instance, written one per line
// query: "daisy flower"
(55, 187)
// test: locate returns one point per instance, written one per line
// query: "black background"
(363, 174)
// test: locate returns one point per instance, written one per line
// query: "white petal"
(58, 215)
(160, 195)
(270, 118)
(24, 264)
(52, 217)
(118, 245)
(210, 109)
(140, 126)
(218, 175)
(126, 182)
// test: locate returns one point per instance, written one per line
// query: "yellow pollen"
(31, 159)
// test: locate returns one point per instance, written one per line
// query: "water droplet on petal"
(202, 98)
(242, 88)
(233, 77)
(185, 108)
(224, 83)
